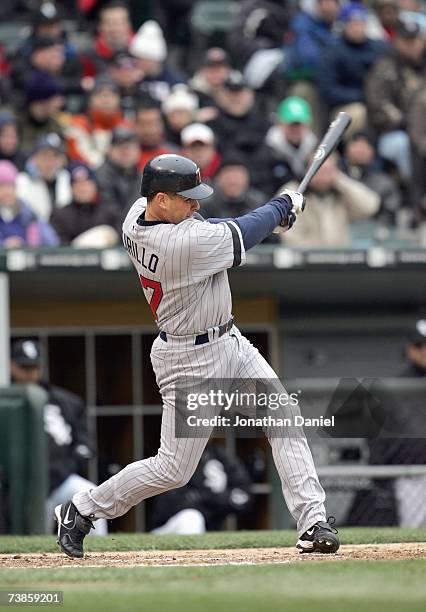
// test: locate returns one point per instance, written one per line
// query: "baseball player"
(182, 263)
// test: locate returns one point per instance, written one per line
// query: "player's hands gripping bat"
(333, 135)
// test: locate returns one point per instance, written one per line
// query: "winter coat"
(326, 221)
(26, 225)
(89, 136)
(303, 55)
(295, 157)
(118, 186)
(259, 24)
(389, 90)
(74, 219)
(34, 190)
(343, 69)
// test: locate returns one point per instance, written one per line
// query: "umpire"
(65, 423)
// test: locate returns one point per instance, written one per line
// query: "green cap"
(294, 110)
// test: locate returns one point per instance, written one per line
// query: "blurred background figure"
(360, 162)
(290, 141)
(89, 133)
(345, 64)
(65, 423)
(41, 114)
(390, 86)
(10, 146)
(151, 131)
(179, 109)
(19, 225)
(211, 76)
(114, 33)
(124, 72)
(45, 183)
(334, 202)
(150, 50)
(119, 178)
(199, 144)
(219, 487)
(87, 212)
(416, 126)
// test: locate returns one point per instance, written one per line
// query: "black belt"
(204, 338)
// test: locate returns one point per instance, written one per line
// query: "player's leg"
(301, 488)
(176, 460)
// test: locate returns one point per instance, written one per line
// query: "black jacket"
(219, 486)
(65, 423)
(74, 219)
(118, 186)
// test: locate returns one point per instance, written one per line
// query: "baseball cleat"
(321, 537)
(72, 529)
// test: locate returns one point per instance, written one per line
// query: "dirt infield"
(241, 556)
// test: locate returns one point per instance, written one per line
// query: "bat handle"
(303, 184)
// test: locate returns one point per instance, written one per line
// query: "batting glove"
(297, 206)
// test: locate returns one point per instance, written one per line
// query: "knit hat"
(104, 82)
(355, 11)
(44, 42)
(123, 135)
(149, 42)
(294, 110)
(8, 172)
(81, 172)
(233, 158)
(40, 87)
(216, 56)
(196, 132)
(50, 141)
(180, 98)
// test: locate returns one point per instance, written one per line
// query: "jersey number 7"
(157, 293)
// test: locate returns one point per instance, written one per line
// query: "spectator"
(41, 114)
(345, 64)
(89, 134)
(119, 178)
(259, 25)
(406, 420)
(151, 131)
(179, 110)
(87, 212)
(386, 13)
(233, 195)
(417, 133)
(290, 141)
(10, 140)
(45, 184)
(114, 34)
(124, 71)
(47, 51)
(390, 86)
(219, 487)
(19, 226)
(312, 32)
(65, 424)
(198, 142)
(361, 163)
(238, 124)
(211, 76)
(150, 50)
(334, 201)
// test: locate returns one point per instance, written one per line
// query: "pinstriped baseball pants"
(231, 356)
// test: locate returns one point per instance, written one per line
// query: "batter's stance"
(181, 262)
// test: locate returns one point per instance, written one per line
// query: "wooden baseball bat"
(334, 133)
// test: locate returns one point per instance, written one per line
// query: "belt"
(204, 338)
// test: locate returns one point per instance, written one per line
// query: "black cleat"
(72, 529)
(321, 537)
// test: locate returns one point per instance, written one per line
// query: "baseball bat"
(334, 133)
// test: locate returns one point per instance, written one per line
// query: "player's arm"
(258, 224)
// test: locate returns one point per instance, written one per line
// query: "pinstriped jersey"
(183, 268)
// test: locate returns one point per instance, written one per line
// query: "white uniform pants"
(229, 357)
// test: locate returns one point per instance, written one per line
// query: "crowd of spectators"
(95, 89)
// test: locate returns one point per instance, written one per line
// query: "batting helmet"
(176, 174)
